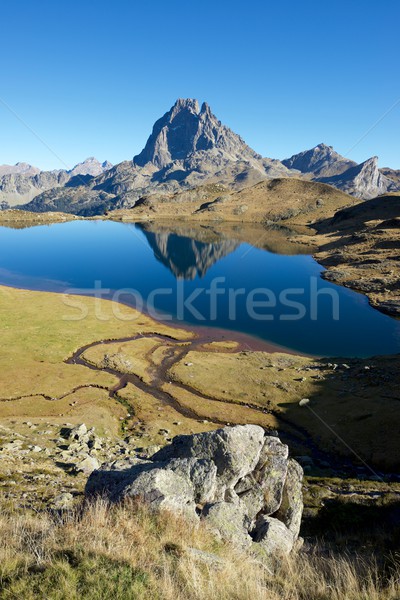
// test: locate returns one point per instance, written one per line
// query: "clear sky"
(91, 77)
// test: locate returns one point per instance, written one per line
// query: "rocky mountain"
(325, 165)
(20, 183)
(90, 166)
(363, 181)
(186, 130)
(321, 161)
(188, 147)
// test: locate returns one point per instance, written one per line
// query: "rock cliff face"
(237, 480)
(185, 130)
(363, 181)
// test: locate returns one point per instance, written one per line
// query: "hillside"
(289, 200)
(360, 248)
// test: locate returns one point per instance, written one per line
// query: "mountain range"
(20, 183)
(188, 147)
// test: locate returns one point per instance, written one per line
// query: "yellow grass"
(126, 553)
(39, 331)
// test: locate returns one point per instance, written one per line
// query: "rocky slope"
(321, 161)
(20, 183)
(271, 201)
(363, 181)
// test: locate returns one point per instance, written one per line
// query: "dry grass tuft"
(126, 552)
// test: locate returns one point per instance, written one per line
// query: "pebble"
(304, 401)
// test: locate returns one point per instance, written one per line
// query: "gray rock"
(87, 465)
(262, 489)
(252, 497)
(78, 432)
(208, 558)
(291, 508)
(162, 488)
(272, 537)
(201, 472)
(231, 478)
(230, 522)
(234, 450)
(111, 478)
(63, 501)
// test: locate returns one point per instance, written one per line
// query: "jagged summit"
(320, 161)
(187, 129)
(364, 181)
(90, 166)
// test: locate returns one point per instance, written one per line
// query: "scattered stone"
(87, 465)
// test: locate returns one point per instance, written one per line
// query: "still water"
(207, 280)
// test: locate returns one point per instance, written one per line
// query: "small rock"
(304, 401)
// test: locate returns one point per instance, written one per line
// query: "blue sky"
(91, 77)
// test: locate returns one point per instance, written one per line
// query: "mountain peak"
(186, 130)
(189, 104)
(90, 166)
(321, 161)
(20, 168)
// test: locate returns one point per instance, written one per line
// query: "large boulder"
(235, 451)
(239, 481)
